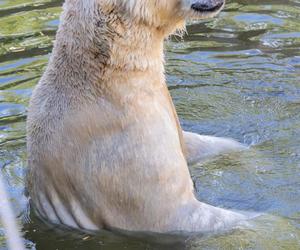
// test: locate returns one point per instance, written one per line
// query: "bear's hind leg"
(200, 147)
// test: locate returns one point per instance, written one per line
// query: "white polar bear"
(105, 146)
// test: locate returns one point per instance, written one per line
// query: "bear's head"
(106, 30)
(168, 14)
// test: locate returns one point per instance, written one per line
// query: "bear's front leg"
(200, 147)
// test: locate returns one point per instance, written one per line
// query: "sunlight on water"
(235, 76)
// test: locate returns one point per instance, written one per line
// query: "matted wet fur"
(105, 146)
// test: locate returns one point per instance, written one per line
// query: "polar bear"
(105, 147)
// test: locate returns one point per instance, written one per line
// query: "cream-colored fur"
(105, 146)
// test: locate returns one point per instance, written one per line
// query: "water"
(236, 76)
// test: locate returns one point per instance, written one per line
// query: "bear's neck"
(137, 49)
(100, 46)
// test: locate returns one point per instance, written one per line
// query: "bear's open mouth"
(200, 7)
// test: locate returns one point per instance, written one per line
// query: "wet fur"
(105, 146)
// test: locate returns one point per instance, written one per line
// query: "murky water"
(236, 76)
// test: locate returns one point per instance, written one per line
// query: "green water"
(236, 76)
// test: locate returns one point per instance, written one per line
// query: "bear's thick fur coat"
(105, 146)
